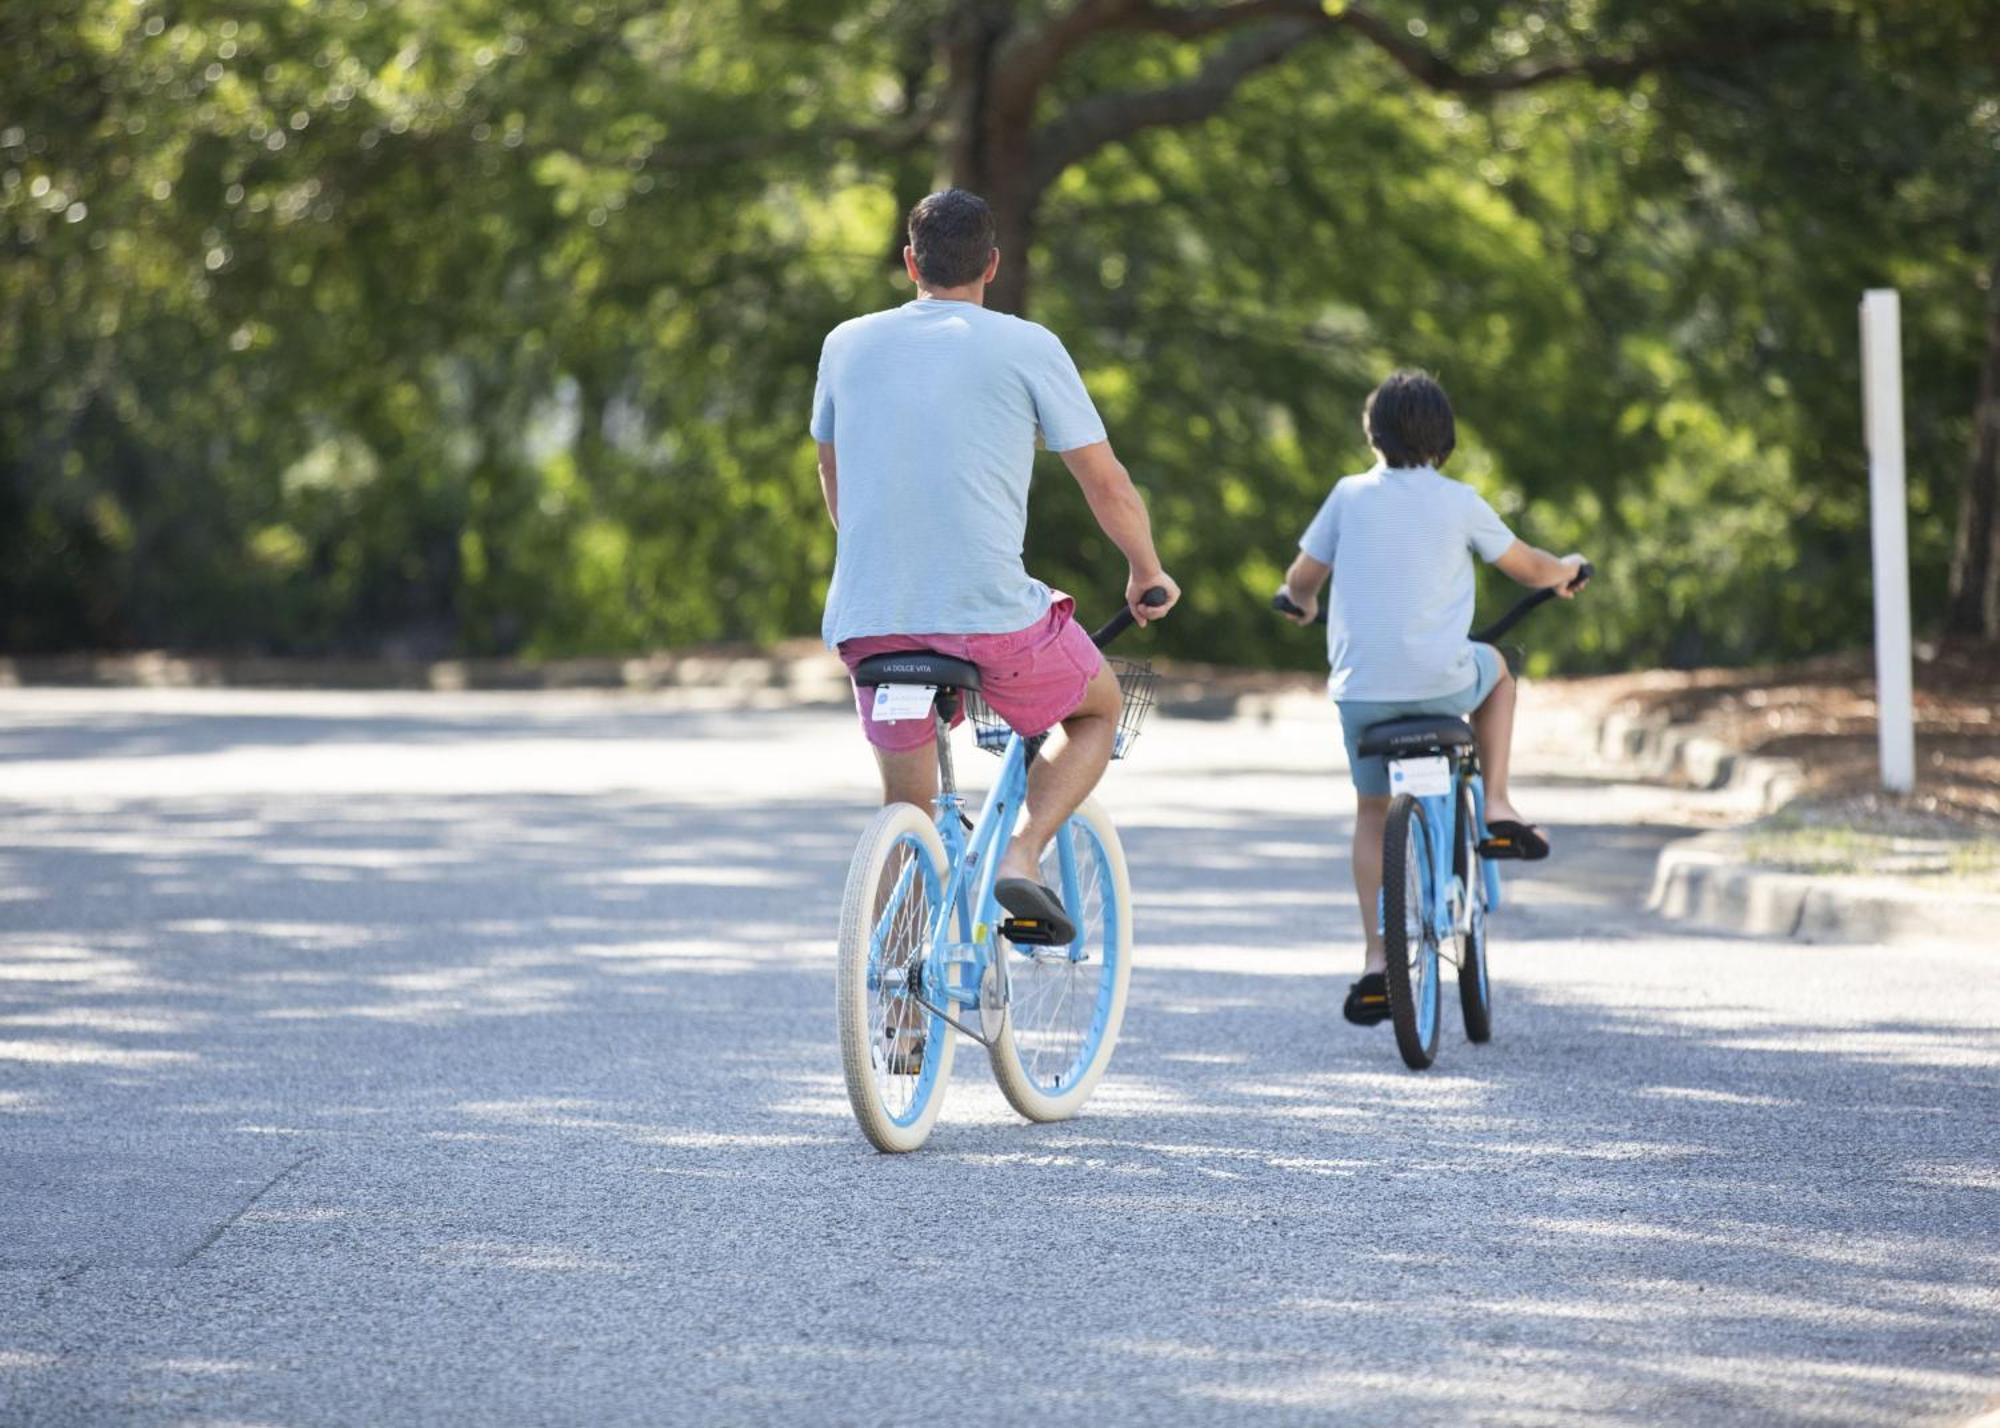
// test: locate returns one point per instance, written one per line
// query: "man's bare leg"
(1371, 816)
(1493, 728)
(909, 775)
(1059, 784)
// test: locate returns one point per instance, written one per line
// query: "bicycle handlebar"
(1282, 603)
(1521, 607)
(1119, 623)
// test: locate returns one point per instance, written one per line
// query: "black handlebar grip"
(1119, 623)
(1285, 605)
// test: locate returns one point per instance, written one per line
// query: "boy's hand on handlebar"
(1579, 573)
(1302, 612)
(1136, 590)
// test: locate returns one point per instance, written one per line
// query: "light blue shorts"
(1371, 775)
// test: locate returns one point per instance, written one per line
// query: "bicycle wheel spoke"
(901, 933)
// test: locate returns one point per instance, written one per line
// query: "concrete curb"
(1710, 881)
(1706, 880)
(1671, 753)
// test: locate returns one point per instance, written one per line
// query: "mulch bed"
(1822, 713)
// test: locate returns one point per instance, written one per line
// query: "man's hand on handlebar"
(1578, 576)
(1136, 589)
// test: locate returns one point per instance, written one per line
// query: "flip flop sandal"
(1368, 1000)
(1508, 839)
(1034, 912)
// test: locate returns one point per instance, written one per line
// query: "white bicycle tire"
(1034, 1101)
(855, 1000)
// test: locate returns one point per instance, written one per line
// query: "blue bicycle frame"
(1448, 910)
(962, 939)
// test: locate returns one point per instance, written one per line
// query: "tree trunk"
(1974, 608)
(1014, 225)
(990, 149)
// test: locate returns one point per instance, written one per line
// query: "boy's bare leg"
(1493, 727)
(1371, 816)
(1058, 784)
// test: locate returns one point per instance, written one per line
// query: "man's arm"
(829, 483)
(1302, 587)
(1538, 570)
(1121, 514)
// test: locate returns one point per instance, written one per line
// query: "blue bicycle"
(1436, 888)
(926, 953)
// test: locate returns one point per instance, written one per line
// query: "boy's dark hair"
(1408, 419)
(951, 234)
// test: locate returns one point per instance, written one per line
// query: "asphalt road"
(471, 1060)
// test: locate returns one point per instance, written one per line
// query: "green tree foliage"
(465, 325)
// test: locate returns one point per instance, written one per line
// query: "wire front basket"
(1137, 683)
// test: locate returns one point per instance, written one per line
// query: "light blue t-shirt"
(932, 409)
(1401, 541)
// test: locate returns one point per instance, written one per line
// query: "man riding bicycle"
(926, 417)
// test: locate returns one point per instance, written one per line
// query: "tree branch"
(1434, 71)
(1092, 123)
(904, 132)
(1190, 22)
(1031, 56)
(1282, 25)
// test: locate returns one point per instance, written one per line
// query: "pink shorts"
(1033, 678)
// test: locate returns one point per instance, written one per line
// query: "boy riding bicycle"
(1398, 541)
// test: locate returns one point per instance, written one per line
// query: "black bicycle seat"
(1419, 734)
(917, 667)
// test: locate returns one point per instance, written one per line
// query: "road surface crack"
(240, 1211)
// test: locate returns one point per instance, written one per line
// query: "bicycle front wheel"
(1066, 1003)
(896, 1055)
(1407, 934)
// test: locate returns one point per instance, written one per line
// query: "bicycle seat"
(917, 667)
(1420, 734)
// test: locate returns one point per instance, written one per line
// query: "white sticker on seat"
(897, 702)
(1421, 778)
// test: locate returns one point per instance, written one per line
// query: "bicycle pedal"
(1030, 932)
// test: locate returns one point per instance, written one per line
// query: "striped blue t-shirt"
(1401, 541)
(932, 409)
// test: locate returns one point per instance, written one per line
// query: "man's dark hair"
(952, 235)
(1408, 419)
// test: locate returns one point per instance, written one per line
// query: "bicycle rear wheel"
(896, 1055)
(1407, 936)
(1067, 1003)
(1475, 996)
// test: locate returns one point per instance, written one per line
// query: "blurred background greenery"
(483, 326)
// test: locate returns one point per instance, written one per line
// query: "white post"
(1882, 423)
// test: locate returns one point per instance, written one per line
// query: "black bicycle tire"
(1417, 1053)
(1475, 991)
